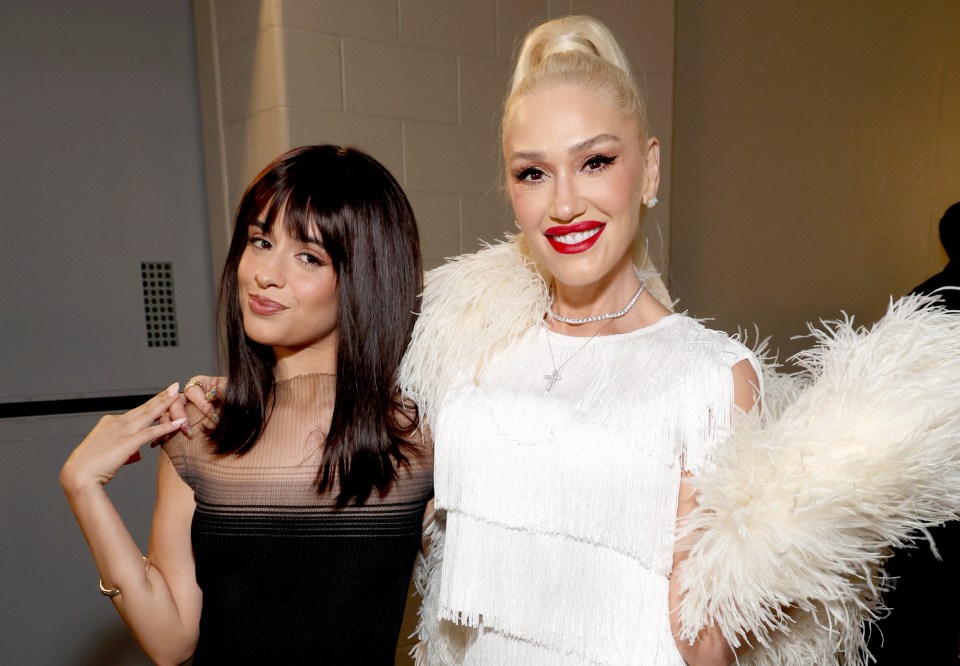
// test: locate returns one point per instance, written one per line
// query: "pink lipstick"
(264, 306)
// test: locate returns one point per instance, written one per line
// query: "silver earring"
(652, 202)
(516, 223)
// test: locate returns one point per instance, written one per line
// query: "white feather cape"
(857, 453)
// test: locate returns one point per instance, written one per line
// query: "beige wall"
(817, 145)
(417, 83)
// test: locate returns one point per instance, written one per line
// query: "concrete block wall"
(417, 83)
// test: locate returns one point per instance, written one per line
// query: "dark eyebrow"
(533, 155)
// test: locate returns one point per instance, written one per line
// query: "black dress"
(287, 576)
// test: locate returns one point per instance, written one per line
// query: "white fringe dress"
(553, 541)
(561, 505)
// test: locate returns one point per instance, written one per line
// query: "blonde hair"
(581, 50)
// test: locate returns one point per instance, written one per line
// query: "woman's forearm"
(144, 598)
(145, 601)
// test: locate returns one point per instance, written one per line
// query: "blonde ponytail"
(570, 34)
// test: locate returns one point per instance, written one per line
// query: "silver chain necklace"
(554, 376)
(601, 317)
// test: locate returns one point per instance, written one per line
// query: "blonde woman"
(583, 430)
(570, 408)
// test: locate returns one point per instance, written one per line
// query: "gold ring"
(194, 382)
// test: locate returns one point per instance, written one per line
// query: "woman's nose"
(270, 272)
(567, 203)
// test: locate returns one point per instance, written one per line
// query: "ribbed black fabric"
(287, 577)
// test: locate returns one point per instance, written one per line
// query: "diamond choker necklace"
(601, 317)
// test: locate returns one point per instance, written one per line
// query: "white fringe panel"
(567, 596)
(596, 458)
(561, 506)
(489, 646)
(796, 517)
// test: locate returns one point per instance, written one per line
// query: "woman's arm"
(710, 648)
(160, 602)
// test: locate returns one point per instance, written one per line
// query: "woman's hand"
(202, 391)
(116, 440)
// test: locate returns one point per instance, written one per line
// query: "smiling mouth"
(575, 237)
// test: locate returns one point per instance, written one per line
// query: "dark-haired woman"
(286, 531)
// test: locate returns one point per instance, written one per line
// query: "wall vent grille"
(158, 305)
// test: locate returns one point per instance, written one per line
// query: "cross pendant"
(552, 379)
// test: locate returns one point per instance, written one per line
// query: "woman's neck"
(304, 361)
(613, 293)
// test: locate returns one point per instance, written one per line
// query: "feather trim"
(795, 520)
(472, 305)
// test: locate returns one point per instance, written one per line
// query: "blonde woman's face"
(578, 174)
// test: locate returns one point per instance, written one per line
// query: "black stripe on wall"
(121, 403)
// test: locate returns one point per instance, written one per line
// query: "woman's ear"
(651, 169)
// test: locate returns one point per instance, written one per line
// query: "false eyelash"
(604, 160)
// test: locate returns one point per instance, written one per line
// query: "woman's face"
(578, 173)
(287, 290)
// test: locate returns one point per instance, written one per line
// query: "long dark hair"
(368, 228)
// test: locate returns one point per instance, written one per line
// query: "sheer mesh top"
(287, 576)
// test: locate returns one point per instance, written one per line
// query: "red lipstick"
(574, 238)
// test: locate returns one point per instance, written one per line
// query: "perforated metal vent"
(158, 306)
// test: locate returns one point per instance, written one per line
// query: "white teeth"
(577, 236)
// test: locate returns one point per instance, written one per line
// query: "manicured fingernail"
(179, 422)
(214, 417)
(173, 389)
(132, 459)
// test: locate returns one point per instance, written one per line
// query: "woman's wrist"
(76, 486)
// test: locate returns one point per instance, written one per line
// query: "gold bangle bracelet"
(108, 592)
(111, 592)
